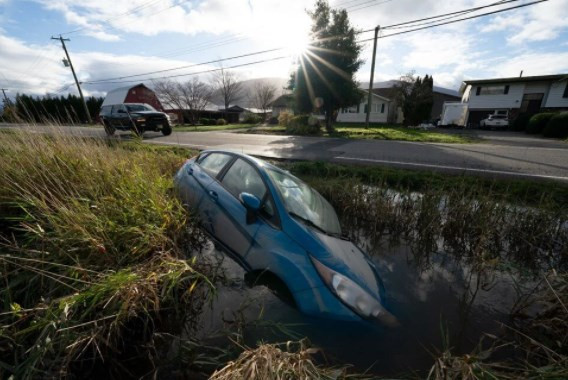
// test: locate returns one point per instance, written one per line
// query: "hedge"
(538, 122)
(557, 126)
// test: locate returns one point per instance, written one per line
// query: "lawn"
(355, 131)
(210, 128)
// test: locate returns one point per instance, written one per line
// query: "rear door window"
(213, 163)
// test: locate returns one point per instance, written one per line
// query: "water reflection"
(426, 297)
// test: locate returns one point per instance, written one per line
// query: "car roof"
(257, 161)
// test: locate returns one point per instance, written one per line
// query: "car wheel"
(167, 130)
(109, 129)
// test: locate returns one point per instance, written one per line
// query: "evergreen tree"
(55, 109)
(324, 79)
(415, 96)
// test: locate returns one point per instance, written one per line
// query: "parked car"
(138, 117)
(495, 121)
(272, 223)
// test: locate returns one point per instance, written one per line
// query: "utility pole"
(370, 98)
(6, 100)
(74, 75)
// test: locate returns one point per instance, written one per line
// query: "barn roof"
(118, 95)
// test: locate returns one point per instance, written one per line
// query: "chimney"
(521, 74)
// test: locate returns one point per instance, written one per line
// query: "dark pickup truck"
(137, 117)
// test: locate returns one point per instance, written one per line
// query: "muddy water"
(432, 297)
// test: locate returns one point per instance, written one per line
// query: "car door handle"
(213, 195)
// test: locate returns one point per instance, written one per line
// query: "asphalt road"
(503, 154)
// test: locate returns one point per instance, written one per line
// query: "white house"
(356, 114)
(515, 95)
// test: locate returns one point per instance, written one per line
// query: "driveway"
(503, 154)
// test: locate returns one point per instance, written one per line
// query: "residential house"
(281, 104)
(515, 95)
(357, 113)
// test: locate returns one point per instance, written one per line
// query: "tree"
(325, 78)
(262, 95)
(415, 96)
(192, 95)
(228, 84)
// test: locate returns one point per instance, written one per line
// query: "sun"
(296, 44)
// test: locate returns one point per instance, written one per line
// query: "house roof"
(556, 77)
(282, 101)
(118, 95)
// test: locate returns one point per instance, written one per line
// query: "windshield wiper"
(312, 224)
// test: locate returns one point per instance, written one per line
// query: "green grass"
(397, 133)
(358, 132)
(210, 128)
(95, 246)
(510, 190)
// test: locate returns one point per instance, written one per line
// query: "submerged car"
(274, 224)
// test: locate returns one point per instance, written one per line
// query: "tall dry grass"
(95, 255)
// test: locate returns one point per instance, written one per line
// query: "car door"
(227, 214)
(200, 174)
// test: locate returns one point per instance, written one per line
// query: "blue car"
(274, 224)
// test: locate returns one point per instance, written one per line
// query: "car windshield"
(139, 107)
(497, 117)
(303, 202)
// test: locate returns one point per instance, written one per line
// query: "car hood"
(346, 258)
(148, 113)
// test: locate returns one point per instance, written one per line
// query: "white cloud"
(532, 64)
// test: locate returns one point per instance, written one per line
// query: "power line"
(358, 7)
(458, 20)
(197, 73)
(186, 66)
(108, 80)
(458, 13)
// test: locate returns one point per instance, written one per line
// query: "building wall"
(376, 116)
(503, 101)
(143, 95)
(555, 99)
(438, 105)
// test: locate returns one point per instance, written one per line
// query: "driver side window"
(242, 177)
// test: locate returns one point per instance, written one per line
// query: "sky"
(115, 38)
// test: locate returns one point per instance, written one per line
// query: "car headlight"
(140, 119)
(355, 297)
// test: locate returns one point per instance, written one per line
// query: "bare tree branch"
(228, 84)
(263, 94)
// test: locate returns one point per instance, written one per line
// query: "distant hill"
(248, 90)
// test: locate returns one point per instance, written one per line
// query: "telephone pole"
(370, 97)
(6, 100)
(74, 75)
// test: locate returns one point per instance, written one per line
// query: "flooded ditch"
(449, 283)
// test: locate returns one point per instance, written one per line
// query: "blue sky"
(115, 38)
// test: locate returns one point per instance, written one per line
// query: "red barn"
(133, 94)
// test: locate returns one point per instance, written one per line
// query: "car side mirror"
(252, 204)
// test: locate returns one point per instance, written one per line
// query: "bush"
(204, 121)
(251, 118)
(557, 126)
(284, 118)
(303, 125)
(538, 122)
(273, 120)
(520, 123)
(221, 122)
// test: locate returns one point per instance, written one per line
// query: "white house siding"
(555, 99)
(504, 101)
(376, 115)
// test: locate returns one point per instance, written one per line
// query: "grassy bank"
(95, 256)
(357, 131)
